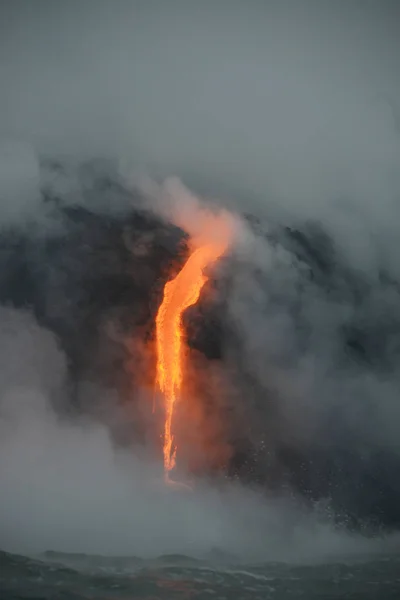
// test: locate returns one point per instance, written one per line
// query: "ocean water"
(54, 576)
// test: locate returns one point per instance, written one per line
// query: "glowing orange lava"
(179, 294)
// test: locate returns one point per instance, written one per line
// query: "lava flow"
(179, 294)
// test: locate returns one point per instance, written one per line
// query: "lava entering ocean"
(179, 294)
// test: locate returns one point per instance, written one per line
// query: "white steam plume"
(64, 487)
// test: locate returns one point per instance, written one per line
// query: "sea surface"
(54, 576)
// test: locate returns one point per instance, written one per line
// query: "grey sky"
(294, 95)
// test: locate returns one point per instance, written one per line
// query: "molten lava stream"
(179, 294)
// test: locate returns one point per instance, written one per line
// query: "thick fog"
(285, 110)
(292, 102)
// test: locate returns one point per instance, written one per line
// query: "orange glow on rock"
(179, 294)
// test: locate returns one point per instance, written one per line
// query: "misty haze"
(200, 299)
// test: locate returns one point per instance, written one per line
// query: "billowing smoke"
(284, 114)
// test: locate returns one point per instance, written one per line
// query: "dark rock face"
(96, 267)
(96, 272)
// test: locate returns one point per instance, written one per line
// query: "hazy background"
(292, 101)
(289, 110)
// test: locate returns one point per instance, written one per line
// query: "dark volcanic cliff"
(95, 279)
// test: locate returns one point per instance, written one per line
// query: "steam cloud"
(284, 112)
